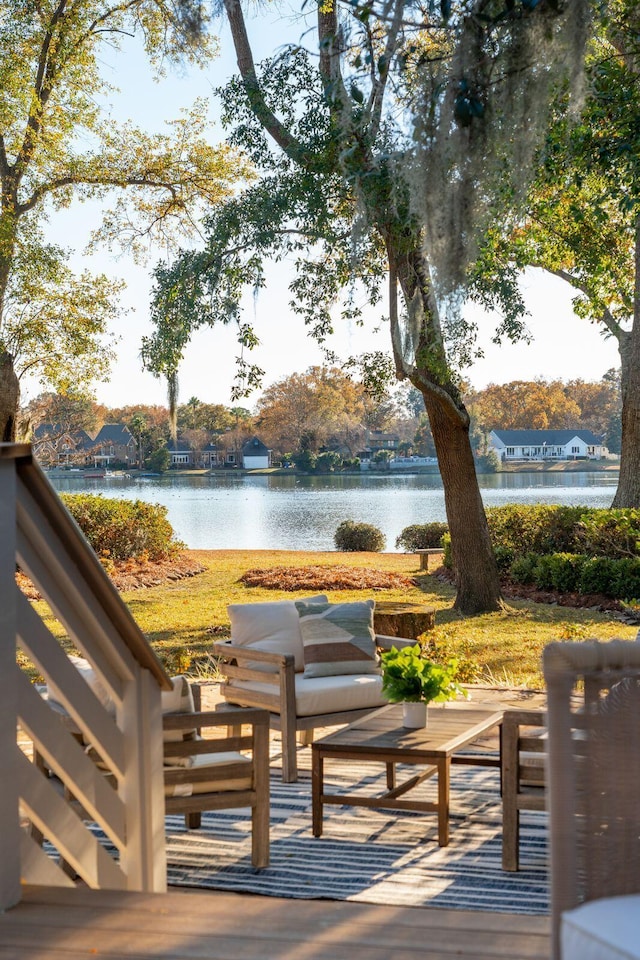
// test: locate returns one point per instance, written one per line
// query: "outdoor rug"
(374, 856)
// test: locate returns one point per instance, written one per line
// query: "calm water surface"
(302, 513)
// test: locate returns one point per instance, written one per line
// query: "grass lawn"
(182, 618)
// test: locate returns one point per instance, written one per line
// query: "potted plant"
(410, 678)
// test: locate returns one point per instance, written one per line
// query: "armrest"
(525, 718)
(257, 719)
(215, 718)
(229, 651)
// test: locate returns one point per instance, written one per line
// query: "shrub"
(351, 536)
(421, 536)
(447, 556)
(305, 460)
(609, 533)
(522, 570)
(160, 460)
(559, 571)
(521, 528)
(598, 574)
(328, 461)
(488, 462)
(123, 529)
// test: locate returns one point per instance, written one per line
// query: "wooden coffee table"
(381, 738)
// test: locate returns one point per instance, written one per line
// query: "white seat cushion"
(204, 760)
(606, 929)
(318, 695)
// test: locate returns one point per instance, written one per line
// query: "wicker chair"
(594, 797)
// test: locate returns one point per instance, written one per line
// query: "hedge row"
(123, 529)
(517, 530)
(572, 549)
(574, 572)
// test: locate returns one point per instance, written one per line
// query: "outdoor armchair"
(264, 666)
(227, 771)
(594, 798)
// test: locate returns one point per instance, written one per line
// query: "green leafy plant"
(409, 675)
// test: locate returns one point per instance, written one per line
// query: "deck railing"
(38, 534)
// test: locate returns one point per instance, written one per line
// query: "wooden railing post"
(9, 794)
(144, 861)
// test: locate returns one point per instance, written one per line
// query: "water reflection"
(302, 513)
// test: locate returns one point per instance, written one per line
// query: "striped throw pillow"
(337, 638)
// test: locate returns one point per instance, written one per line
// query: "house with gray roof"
(255, 455)
(114, 442)
(577, 444)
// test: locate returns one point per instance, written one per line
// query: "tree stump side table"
(408, 620)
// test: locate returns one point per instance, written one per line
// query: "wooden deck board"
(52, 923)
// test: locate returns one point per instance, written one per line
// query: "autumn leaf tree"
(321, 407)
(57, 143)
(356, 201)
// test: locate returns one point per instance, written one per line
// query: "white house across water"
(546, 445)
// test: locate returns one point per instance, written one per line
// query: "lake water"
(302, 513)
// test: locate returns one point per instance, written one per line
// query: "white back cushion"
(273, 626)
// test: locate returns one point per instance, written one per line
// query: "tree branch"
(292, 147)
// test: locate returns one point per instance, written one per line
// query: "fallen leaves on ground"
(324, 578)
(135, 574)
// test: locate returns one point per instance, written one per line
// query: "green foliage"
(447, 556)
(421, 536)
(522, 570)
(352, 537)
(516, 529)
(328, 462)
(408, 674)
(58, 142)
(488, 462)
(305, 460)
(159, 460)
(559, 571)
(570, 572)
(614, 578)
(610, 533)
(123, 529)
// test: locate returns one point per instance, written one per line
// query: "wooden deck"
(56, 923)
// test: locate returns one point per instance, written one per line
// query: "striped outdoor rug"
(375, 856)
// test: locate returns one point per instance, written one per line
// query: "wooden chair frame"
(235, 663)
(523, 779)
(226, 796)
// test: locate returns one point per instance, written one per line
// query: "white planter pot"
(414, 715)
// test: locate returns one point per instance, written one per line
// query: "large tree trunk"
(628, 492)
(9, 398)
(476, 570)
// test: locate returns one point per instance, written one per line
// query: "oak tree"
(354, 199)
(56, 143)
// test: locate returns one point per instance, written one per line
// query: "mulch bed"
(135, 574)
(324, 578)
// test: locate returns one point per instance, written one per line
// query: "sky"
(564, 346)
